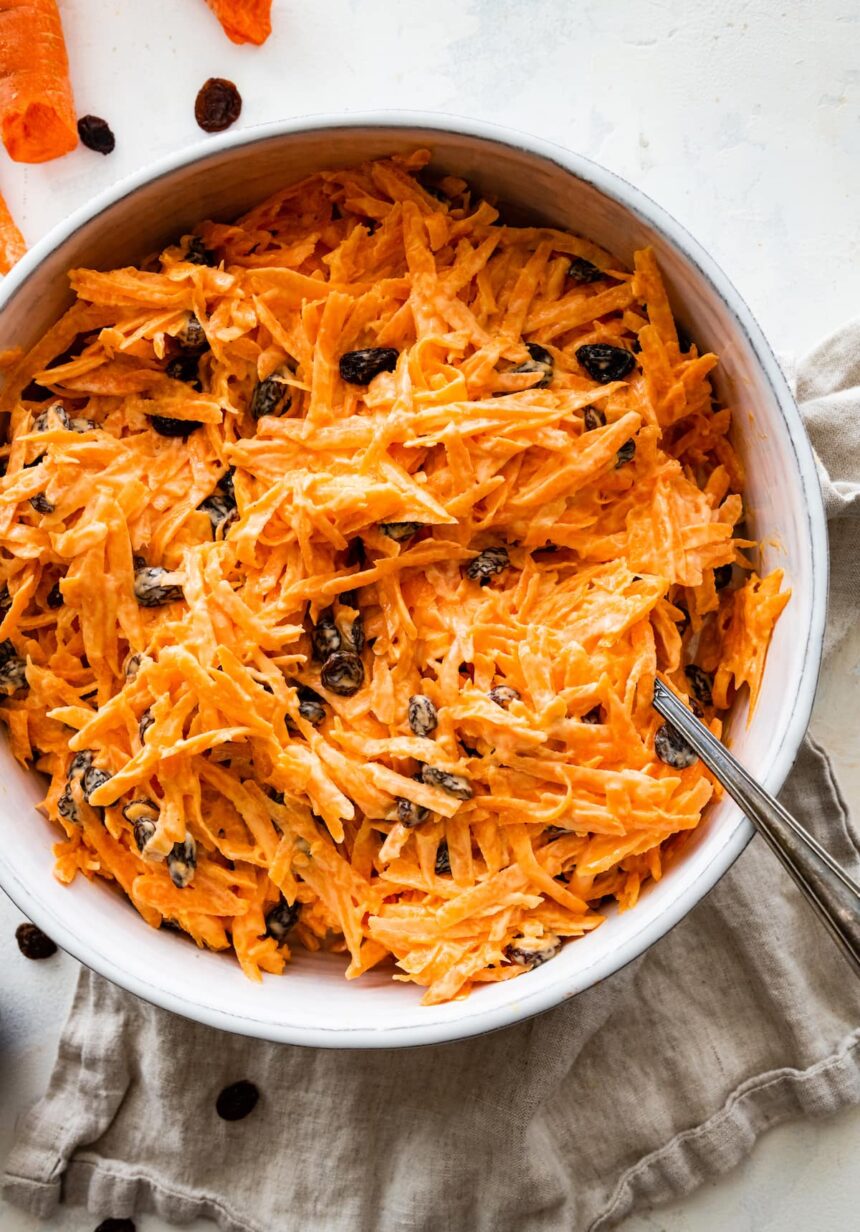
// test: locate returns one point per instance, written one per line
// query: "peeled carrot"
(244, 21)
(12, 246)
(37, 112)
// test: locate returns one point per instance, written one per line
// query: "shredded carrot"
(37, 112)
(12, 246)
(244, 21)
(336, 572)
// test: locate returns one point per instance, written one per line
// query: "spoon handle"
(826, 885)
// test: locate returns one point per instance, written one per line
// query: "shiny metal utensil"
(833, 894)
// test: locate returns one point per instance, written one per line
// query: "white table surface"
(741, 118)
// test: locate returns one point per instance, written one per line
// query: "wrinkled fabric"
(633, 1093)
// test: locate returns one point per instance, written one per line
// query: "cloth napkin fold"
(631, 1094)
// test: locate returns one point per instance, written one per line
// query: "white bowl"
(312, 1003)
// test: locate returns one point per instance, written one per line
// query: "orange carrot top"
(339, 549)
(37, 114)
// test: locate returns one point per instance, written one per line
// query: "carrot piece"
(12, 246)
(37, 112)
(244, 21)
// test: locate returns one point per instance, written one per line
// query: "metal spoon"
(833, 894)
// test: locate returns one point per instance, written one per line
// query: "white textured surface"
(741, 118)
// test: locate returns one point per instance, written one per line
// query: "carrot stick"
(37, 112)
(12, 246)
(244, 21)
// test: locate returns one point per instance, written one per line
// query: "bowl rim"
(470, 1021)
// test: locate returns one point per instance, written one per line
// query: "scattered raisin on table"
(218, 105)
(96, 134)
(33, 943)
(237, 1100)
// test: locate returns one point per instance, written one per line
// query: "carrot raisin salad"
(339, 550)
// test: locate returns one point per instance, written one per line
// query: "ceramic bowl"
(312, 1003)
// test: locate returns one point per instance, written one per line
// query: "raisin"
(143, 815)
(410, 814)
(96, 134)
(282, 919)
(151, 590)
(220, 510)
(311, 705)
(605, 363)
(581, 270)
(399, 531)
(353, 637)
(636, 346)
(179, 428)
(539, 362)
(443, 859)
(503, 695)
(182, 861)
(360, 367)
(41, 503)
(218, 105)
(196, 253)
(185, 368)
(13, 669)
(671, 747)
(146, 721)
(532, 951)
(92, 780)
(626, 453)
(701, 682)
(5, 598)
(343, 673)
(455, 784)
(325, 636)
(487, 564)
(54, 597)
(722, 576)
(422, 715)
(225, 483)
(271, 397)
(594, 715)
(192, 337)
(237, 1101)
(593, 418)
(33, 943)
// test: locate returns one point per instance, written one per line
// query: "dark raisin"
(311, 705)
(196, 252)
(532, 951)
(54, 597)
(192, 337)
(487, 564)
(722, 576)
(422, 715)
(635, 346)
(701, 682)
(225, 483)
(151, 590)
(272, 396)
(185, 368)
(593, 418)
(143, 816)
(13, 669)
(41, 503)
(146, 721)
(48, 419)
(581, 270)
(503, 695)
(626, 453)
(455, 784)
(33, 943)
(5, 598)
(182, 861)
(180, 428)
(281, 919)
(410, 814)
(443, 859)
(343, 673)
(237, 1101)
(671, 747)
(360, 367)
(96, 134)
(605, 363)
(218, 105)
(92, 780)
(594, 715)
(353, 637)
(539, 362)
(325, 636)
(399, 531)
(220, 510)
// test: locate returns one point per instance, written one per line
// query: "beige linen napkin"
(630, 1094)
